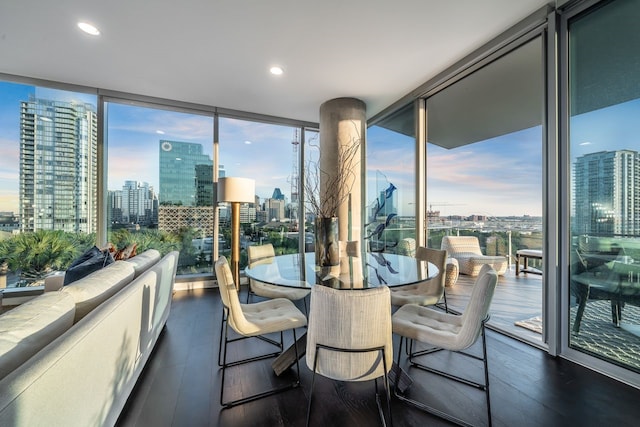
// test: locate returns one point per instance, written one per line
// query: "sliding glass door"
(484, 172)
(604, 159)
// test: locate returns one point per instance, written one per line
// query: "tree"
(38, 253)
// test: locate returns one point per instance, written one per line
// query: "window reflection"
(390, 225)
(604, 309)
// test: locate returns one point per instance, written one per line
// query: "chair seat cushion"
(269, 316)
(412, 295)
(271, 291)
(471, 263)
(427, 325)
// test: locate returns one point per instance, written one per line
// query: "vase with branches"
(327, 185)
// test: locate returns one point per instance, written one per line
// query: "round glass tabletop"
(375, 269)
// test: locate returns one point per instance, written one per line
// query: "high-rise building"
(178, 175)
(387, 204)
(275, 209)
(58, 166)
(114, 207)
(139, 203)
(277, 194)
(204, 185)
(607, 193)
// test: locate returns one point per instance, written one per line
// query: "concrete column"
(342, 124)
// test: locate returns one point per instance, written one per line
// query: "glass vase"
(326, 242)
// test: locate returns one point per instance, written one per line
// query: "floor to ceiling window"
(48, 180)
(390, 213)
(310, 184)
(270, 155)
(160, 183)
(484, 175)
(604, 157)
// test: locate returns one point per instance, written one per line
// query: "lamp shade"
(241, 190)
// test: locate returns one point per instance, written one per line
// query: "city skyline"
(477, 179)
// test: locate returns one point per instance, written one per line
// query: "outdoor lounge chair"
(466, 249)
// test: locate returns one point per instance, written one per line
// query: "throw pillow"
(92, 260)
(126, 252)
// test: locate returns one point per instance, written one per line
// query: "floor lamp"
(236, 191)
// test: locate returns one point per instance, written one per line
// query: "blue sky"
(501, 176)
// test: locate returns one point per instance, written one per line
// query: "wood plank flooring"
(516, 298)
(181, 383)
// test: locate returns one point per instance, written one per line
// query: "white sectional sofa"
(71, 357)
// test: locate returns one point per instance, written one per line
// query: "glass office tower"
(181, 166)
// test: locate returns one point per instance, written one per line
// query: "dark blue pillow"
(92, 260)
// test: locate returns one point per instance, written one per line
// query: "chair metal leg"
(486, 372)
(222, 322)
(420, 405)
(484, 387)
(377, 395)
(313, 381)
(226, 365)
(387, 391)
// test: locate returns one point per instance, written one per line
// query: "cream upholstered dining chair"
(264, 254)
(427, 292)
(445, 331)
(253, 320)
(349, 337)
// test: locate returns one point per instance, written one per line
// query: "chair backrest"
(438, 257)
(461, 244)
(230, 300)
(260, 255)
(477, 309)
(350, 319)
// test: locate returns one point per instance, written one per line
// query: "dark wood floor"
(181, 383)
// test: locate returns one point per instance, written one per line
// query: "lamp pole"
(235, 242)
(236, 191)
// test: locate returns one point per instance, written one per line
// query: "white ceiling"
(218, 52)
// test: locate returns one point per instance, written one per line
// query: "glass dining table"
(353, 272)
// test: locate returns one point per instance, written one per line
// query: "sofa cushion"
(28, 328)
(143, 261)
(91, 291)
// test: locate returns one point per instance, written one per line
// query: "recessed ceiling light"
(276, 70)
(88, 28)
